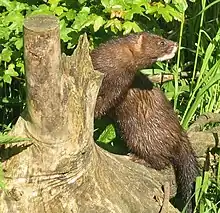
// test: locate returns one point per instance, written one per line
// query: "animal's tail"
(186, 169)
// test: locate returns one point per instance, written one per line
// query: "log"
(60, 168)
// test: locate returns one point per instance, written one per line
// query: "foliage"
(107, 135)
(208, 189)
(194, 24)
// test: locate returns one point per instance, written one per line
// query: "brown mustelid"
(145, 117)
(119, 60)
(151, 130)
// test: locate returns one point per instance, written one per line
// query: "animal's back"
(152, 132)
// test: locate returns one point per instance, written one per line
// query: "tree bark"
(60, 168)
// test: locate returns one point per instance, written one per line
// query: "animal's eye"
(162, 43)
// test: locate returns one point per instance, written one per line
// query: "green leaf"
(19, 43)
(179, 16)
(99, 21)
(4, 32)
(105, 3)
(10, 71)
(140, 2)
(6, 54)
(114, 24)
(167, 17)
(107, 135)
(20, 64)
(136, 9)
(136, 28)
(42, 9)
(169, 95)
(7, 4)
(5, 100)
(118, 24)
(64, 31)
(7, 79)
(181, 5)
(117, 7)
(81, 18)
(70, 14)
(109, 23)
(129, 15)
(15, 21)
(54, 2)
(14, 5)
(59, 10)
(166, 11)
(8, 139)
(127, 26)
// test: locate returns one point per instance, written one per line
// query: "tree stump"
(61, 169)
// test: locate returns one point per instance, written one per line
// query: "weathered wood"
(58, 120)
(61, 169)
(204, 140)
(43, 76)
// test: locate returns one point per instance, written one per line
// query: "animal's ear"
(139, 42)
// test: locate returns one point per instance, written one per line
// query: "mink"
(119, 60)
(145, 117)
(152, 132)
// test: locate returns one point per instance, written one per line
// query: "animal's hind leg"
(136, 159)
(156, 162)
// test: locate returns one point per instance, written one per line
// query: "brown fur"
(145, 117)
(152, 132)
(120, 59)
